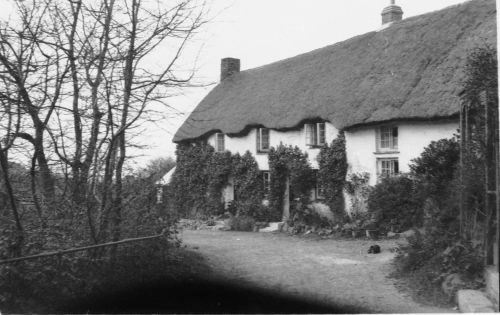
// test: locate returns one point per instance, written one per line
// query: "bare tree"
(86, 73)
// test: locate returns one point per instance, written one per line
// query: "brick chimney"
(228, 66)
(392, 13)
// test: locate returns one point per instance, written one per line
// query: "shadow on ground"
(199, 296)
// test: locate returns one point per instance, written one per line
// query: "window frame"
(220, 136)
(387, 138)
(266, 182)
(315, 134)
(393, 167)
(259, 138)
(319, 190)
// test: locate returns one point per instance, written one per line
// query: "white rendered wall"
(297, 137)
(413, 137)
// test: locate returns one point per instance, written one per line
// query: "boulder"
(273, 227)
(392, 235)
(473, 301)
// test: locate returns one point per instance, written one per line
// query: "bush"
(242, 223)
(435, 168)
(395, 204)
(429, 258)
(332, 161)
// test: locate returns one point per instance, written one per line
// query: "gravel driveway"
(327, 271)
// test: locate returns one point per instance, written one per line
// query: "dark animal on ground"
(374, 249)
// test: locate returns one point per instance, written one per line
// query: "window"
(387, 139)
(219, 142)
(262, 140)
(387, 167)
(315, 134)
(319, 190)
(266, 179)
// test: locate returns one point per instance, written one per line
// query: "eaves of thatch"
(411, 70)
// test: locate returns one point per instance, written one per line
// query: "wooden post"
(490, 177)
(286, 200)
(462, 143)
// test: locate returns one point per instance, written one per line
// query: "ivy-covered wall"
(197, 185)
(201, 175)
(332, 172)
(287, 162)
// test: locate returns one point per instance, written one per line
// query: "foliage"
(332, 172)
(308, 218)
(200, 176)
(395, 204)
(481, 73)
(190, 180)
(248, 184)
(454, 241)
(287, 162)
(481, 100)
(429, 258)
(218, 171)
(435, 168)
(358, 189)
(157, 168)
(55, 284)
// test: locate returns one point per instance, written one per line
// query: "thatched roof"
(410, 70)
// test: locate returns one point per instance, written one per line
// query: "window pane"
(220, 142)
(258, 140)
(265, 139)
(388, 137)
(395, 138)
(309, 132)
(388, 167)
(321, 133)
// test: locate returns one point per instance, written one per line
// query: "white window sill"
(386, 152)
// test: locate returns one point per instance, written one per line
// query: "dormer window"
(219, 142)
(387, 138)
(315, 134)
(263, 140)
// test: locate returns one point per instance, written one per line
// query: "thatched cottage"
(392, 91)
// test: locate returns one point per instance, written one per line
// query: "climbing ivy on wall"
(218, 171)
(190, 181)
(332, 172)
(201, 174)
(289, 162)
(247, 178)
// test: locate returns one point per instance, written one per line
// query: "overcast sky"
(259, 32)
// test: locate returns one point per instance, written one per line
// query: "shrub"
(395, 204)
(429, 258)
(242, 223)
(289, 162)
(332, 162)
(435, 168)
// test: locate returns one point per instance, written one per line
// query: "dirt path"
(327, 271)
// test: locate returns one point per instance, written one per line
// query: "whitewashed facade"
(296, 137)
(364, 148)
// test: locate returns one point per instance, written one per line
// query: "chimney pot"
(229, 66)
(392, 13)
